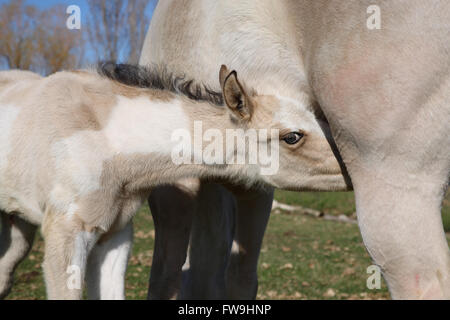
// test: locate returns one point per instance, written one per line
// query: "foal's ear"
(234, 95)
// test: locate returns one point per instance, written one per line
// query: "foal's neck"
(144, 130)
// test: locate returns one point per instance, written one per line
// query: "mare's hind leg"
(16, 239)
(107, 264)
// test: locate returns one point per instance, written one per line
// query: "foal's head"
(305, 158)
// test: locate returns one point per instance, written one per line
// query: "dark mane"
(157, 77)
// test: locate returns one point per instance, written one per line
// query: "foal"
(81, 151)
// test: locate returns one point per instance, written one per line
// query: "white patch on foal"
(107, 261)
(141, 125)
(8, 115)
(130, 129)
(76, 162)
(62, 200)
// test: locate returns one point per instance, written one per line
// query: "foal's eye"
(293, 137)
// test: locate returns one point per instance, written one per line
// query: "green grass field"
(302, 257)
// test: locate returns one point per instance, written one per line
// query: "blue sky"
(84, 8)
(43, 4)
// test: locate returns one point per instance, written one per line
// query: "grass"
(336, 203)
(301, 257)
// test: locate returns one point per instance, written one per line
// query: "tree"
(38, 40)
(16, 35)
(138, 24)
(117, 28)
(31, 39)
(58, 47)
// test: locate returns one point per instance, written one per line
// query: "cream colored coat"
(81, 152)
(385, 93)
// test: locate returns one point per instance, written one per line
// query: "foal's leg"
(254, 208)
(172, 208)
(68, 242)
(16, 240)
(107, 265)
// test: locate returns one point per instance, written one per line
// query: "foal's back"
(36, 112)
(56, 106)
(11, 76)
(54, 129)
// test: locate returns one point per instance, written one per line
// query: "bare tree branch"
(36, 40)
(117, 28)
